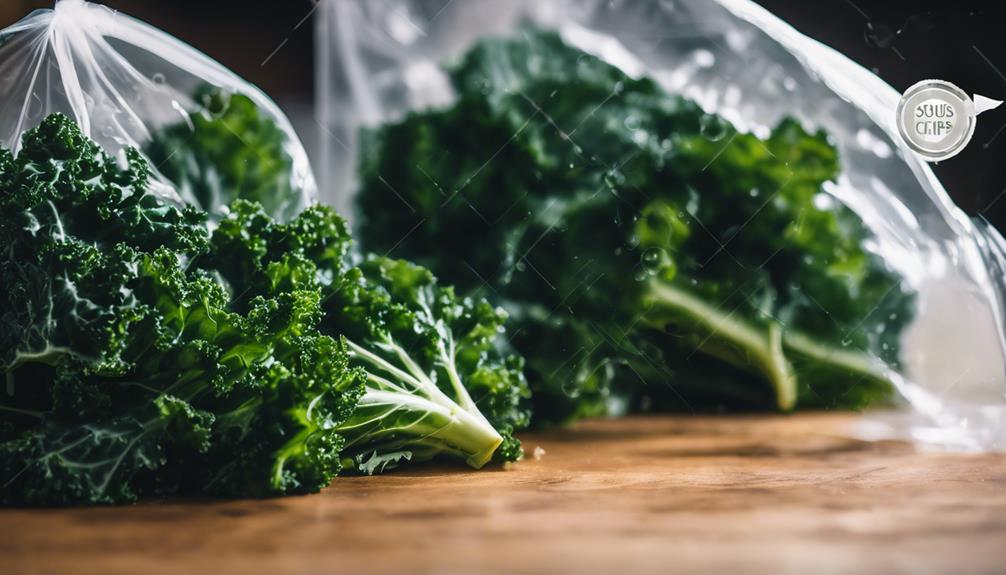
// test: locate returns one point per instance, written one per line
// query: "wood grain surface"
(639, 495)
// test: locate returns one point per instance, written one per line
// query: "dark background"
(270, 42)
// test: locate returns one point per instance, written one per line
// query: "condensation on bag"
(379, 60)
(210, 135)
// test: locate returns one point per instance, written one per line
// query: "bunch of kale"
(144, 355)
(651, 255)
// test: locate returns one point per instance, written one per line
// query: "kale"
(225, 149)
(436, 385)
(650, 254)
(144, 356)
(128, 373)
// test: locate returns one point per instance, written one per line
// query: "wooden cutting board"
(640, 495)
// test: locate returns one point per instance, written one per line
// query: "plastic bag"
(379, 60)
(210, 135)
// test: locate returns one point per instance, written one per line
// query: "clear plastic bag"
(128, 84)
(380, 60)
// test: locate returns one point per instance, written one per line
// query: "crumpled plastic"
(124, 81)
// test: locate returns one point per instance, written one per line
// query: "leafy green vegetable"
(143, 356)
(650, 254)
(431, 368)
(228, 149)
(127, 372)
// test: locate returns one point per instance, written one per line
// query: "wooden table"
(640, 495)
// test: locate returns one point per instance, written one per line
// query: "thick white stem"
(470, 434)
(461, 425)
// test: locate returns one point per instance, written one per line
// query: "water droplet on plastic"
(652, 259)
(520, 266)
(158, 79)
(672, 328)
(570, 389)
(614, 177)
(704, 58)
(712, 127)
(216, 102)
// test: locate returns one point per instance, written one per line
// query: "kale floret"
(651, 254)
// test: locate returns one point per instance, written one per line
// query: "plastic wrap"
(380, 59)
(128, 84)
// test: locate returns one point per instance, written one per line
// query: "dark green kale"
(228, 149)
(435, 383)
(127, 371)
(650, 254)
(144, 357)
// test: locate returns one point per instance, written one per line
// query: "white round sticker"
(936, 119)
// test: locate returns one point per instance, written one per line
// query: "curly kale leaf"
(436, 385)
(225, 150)
(128, 371)
(70, 217)
(651, 254)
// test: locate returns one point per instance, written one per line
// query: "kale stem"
(852, 361)
(763, 346)
(453, 428)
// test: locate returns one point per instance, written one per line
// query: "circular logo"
(936, 119)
